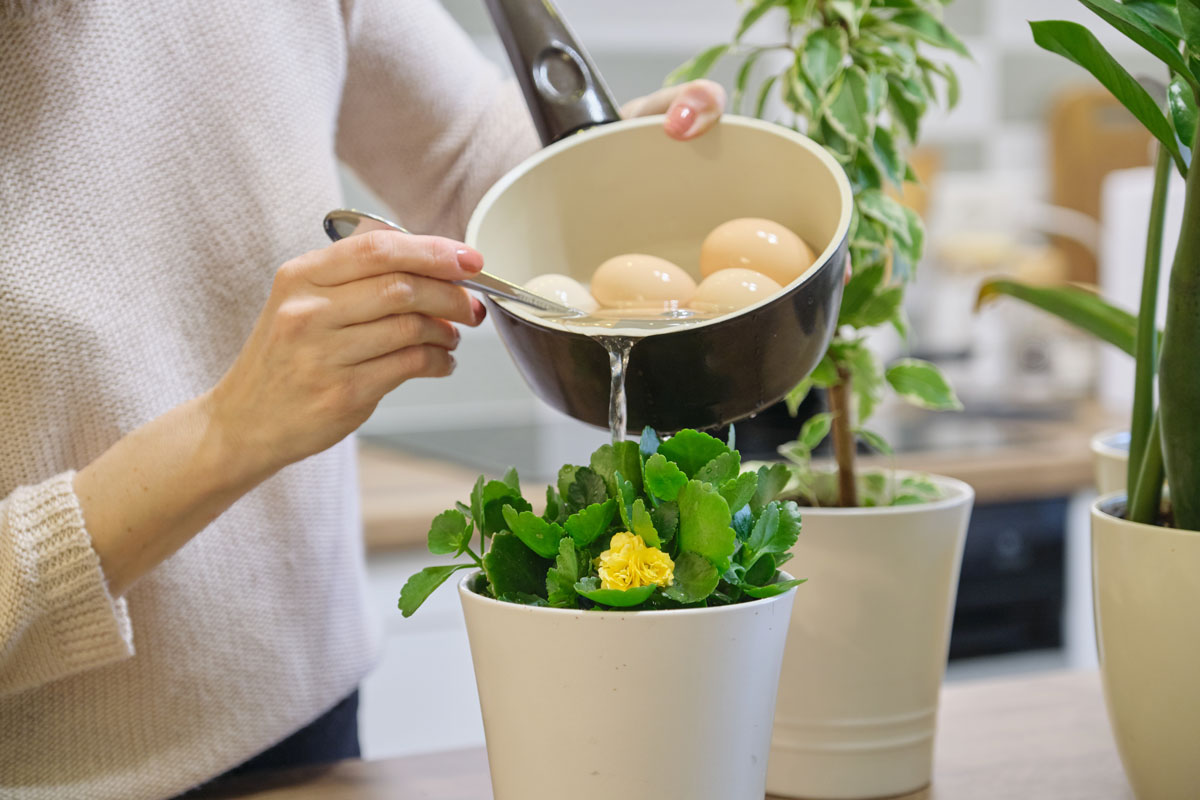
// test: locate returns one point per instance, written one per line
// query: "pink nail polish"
(680, 119)
(469, 259)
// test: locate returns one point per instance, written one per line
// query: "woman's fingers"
(381, 375)
(391, 293)
(382, 252)
(691, 108)
(369, 340)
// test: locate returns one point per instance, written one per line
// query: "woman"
(192, 595)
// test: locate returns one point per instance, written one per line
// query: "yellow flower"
(629, 563)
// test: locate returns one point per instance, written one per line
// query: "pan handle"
(562, 87)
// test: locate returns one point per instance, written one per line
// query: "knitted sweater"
(157, 163)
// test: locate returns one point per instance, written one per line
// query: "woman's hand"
(691, 108)
(344, 326)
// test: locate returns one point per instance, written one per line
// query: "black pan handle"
(562, 86)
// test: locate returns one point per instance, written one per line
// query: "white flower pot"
(1110, 457)
(858, 695)
(647, 705)
(1146, 589)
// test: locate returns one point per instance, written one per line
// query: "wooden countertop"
(1032, 738)
(402, 492)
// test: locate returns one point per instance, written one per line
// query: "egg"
(635, 280)
(732, 289)
(758, 244)
(565, 290)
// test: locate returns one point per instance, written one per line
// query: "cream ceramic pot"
(1110, 458)
(1146, 591)
(650, 705)
(858, 694)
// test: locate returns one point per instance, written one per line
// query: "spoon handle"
(493, 285)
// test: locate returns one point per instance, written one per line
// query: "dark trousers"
(333, 736)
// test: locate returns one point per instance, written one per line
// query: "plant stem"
(1179, 377)
(843, 438)
(1146, 498)
(1146, 342)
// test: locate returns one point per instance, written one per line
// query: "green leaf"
(622, 457)
(1182, 103)
(876, 205)
(797, 395)
(878, 309)
(477, 502)
(930, 29)
(866, 378)
(666, 521)
(821, 59)
(889, 155)
(625, 497)
(771, 481)
(739, 491)
(861, 288)
(754, 14)
(1189, 20)
(695, 579)
(764, 94)
(566, 476)
(874, 441)
(642, 525)
(1137, 28)
(512, 567)
(922, 384)
(1075, 42)
(585, 525)
(554, 506)
(704, 524)
(649, 442)
(1162, 16)
(825, 374)
(772, 589)
(691, 450)
(763, 532)
(1079, 307)
(762, 571)
(523, 599)
(743, 523)
(587, 488)
(722, 468)
(615, 598)
(450, 532)
(418, 588)
(561, 578)
(663, 478)
(495, 496)
(538, 535)
(776, 531)
(850, 13)
(815, 429)
(696, 67)
(512, 480)
(849, 111)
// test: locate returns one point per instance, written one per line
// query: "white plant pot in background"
(1110, 457)
(643, 705)
(858, 694)
(1146, 589)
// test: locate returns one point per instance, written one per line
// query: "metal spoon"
(344, 222)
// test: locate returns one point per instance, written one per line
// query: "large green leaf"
(450, 532)
(623, 457)
(586, 525)
(538, 535)
(663, 478)
(740, 490)
(1189, 19)
(695, 579)
(1081, 308)
(561, 578)
(513, 568)
(704, 524)
(418, 588)
(691, 450)
(1077, 43)
(587, 488)
(878, 206)
(1137, 28)
(922, 384)
(642, 525)
(696, 67)
(772, 589)
(815, 429)
(1182, 103)
(821, 59)
(1161, 15)
(849, 110)
(930, 29)
(722, 468)
(615, 598)
(771, 481)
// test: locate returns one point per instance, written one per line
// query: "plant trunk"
(1179, 370)
(1146, 343)
(1147, 485)
(843, 438)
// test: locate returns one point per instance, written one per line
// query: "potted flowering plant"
(1146, 554)
(869, 640)
(627, 640)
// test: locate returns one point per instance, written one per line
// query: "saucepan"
(603, 187)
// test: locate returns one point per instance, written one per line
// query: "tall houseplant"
(856, 76)
(867, 644)
(1146, 565)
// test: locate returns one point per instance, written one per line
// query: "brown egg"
(731, 289)
(635, 280)
(758, 244)
(565, 290)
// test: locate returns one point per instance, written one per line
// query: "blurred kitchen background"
(1036, 173)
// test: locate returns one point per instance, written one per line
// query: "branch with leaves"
(857, 78)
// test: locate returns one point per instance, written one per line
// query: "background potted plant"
(1146, 557)
(859, 691)
(627, 641)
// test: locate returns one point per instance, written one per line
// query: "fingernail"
(453, 363)
(681, 118)
(469, 259)
(480, 313)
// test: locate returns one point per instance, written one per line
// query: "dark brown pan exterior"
(759, 355)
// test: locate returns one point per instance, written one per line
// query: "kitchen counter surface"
(1032, 738)
(1012, 459)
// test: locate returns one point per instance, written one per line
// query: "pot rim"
(958, 492)
(1101, 443)
(575, 140)
(1100, 511)
(466, 594)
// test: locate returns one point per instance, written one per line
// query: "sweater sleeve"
(57, 616)
(426, 121)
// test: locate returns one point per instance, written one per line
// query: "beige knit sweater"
(157, 163)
